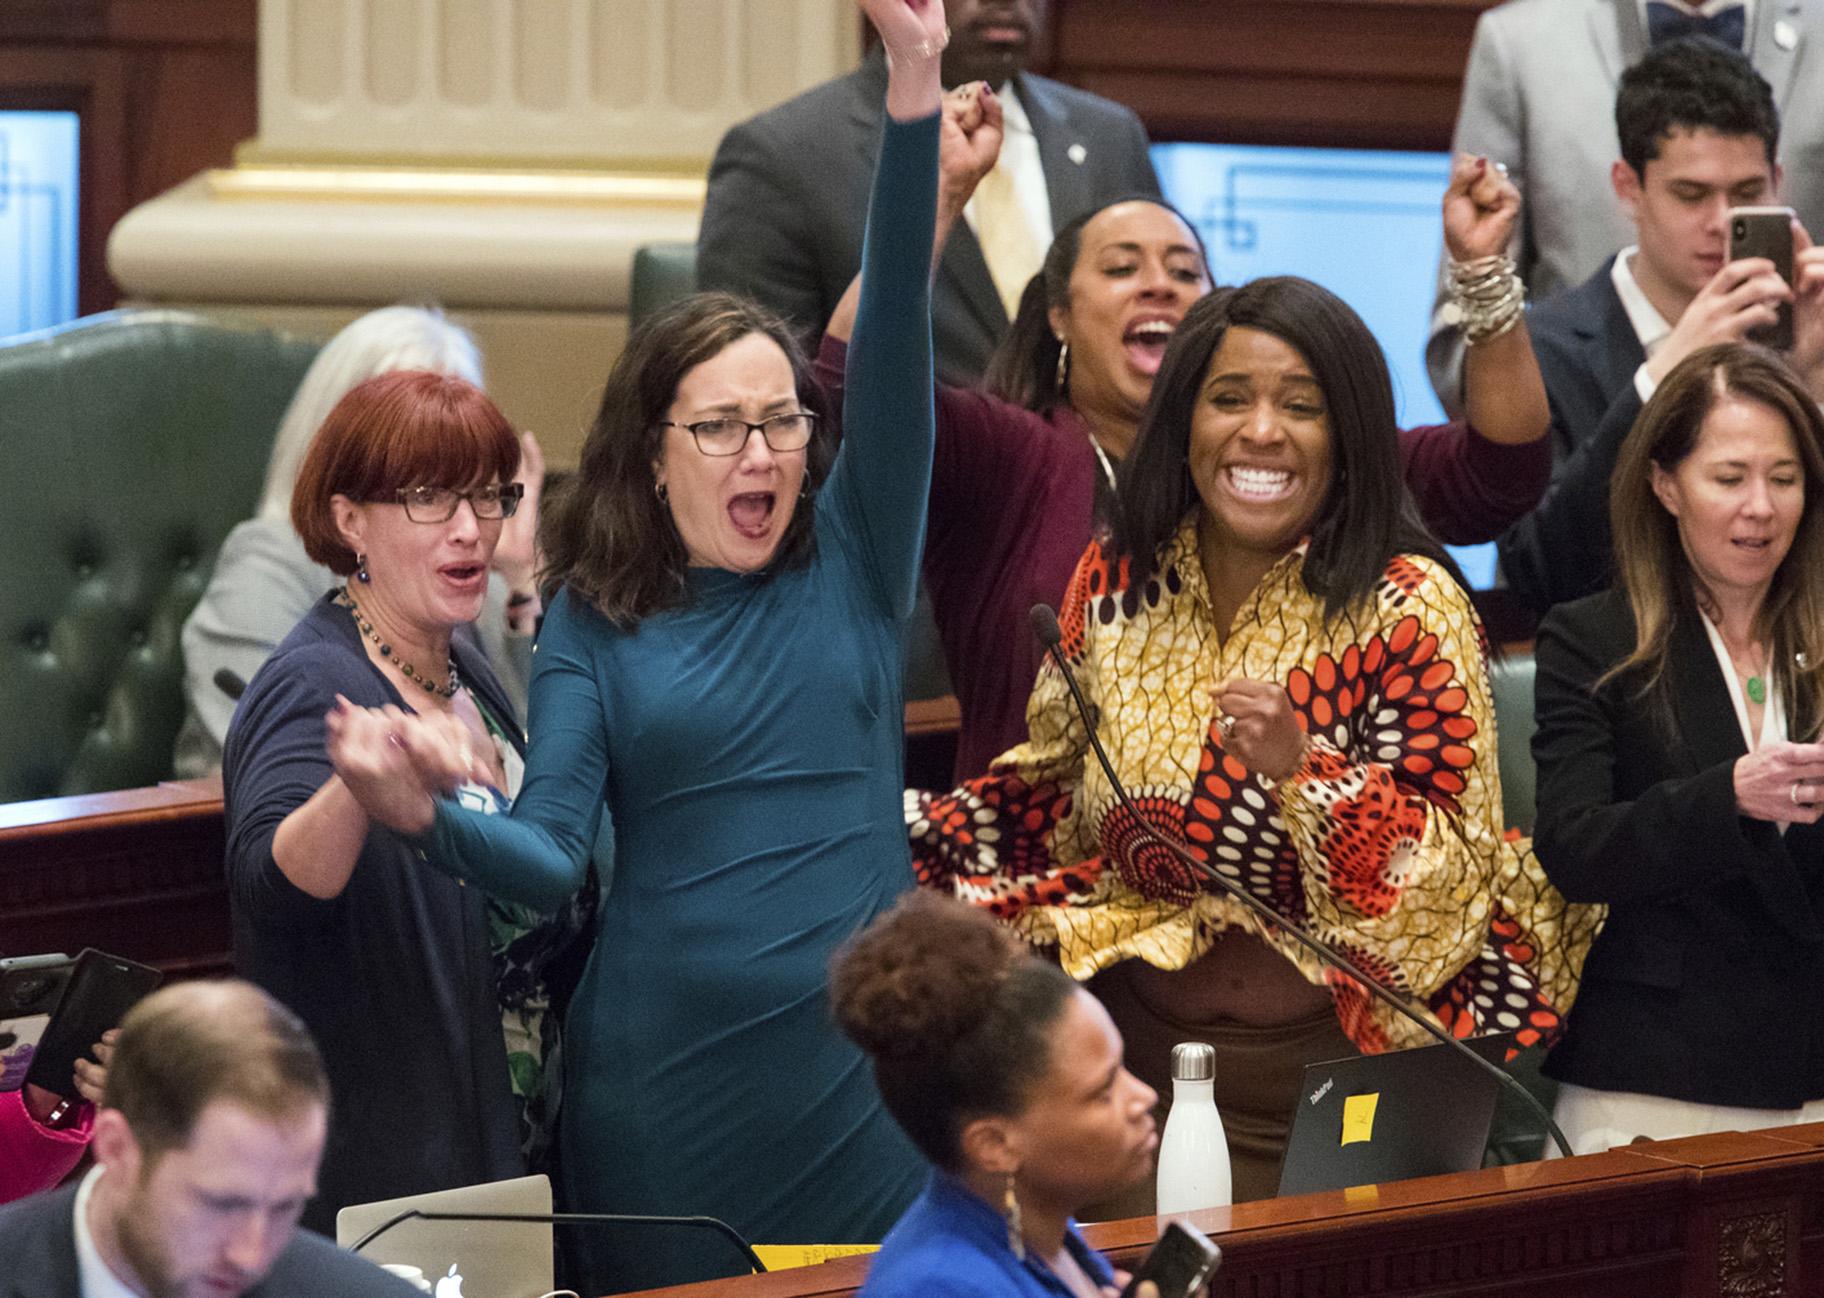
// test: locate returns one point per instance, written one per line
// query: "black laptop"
(1388, 1117)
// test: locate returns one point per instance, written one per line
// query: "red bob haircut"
(409, 428)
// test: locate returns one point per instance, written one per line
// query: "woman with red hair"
(403, 493)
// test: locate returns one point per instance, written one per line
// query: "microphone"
(714, 1224)
(1045, 627)
(228, 683)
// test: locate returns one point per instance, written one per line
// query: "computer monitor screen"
(38, 169)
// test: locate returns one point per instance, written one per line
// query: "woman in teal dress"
(720, 672)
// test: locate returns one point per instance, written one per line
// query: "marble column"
(501, 157)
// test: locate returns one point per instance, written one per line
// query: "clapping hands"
(396, 763)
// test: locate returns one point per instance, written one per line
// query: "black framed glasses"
(438, 504)
(728, 436)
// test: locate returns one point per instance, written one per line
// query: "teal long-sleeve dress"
(748, 747)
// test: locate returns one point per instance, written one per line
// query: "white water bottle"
(1194, 1152)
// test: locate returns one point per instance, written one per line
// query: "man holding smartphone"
(1699, 137)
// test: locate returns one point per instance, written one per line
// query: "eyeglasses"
(727, 436)
(438, 504)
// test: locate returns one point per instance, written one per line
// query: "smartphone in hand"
(1766, 232)
(1180, 1264)
(102, 988)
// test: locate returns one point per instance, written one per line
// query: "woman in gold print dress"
(1292, 685)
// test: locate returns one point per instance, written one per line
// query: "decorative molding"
(1751, 1256)
(573, 81)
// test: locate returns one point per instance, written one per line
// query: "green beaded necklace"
(346, 599)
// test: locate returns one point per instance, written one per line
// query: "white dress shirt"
(1650, 326)
(97, 1280)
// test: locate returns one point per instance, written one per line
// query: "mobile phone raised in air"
(1766, 232)
(101, 990)
(29, 988)
(1180, 1264)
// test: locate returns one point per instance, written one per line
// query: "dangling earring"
(361, 569)
(1063, 366)
(804, 487)
(658, 489)
(1010, 1209)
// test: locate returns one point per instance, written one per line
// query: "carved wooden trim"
(1751, 1256)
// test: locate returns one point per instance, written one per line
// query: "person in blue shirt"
(1008, 1076)
(719, 675)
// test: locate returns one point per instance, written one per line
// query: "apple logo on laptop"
(450, 1286)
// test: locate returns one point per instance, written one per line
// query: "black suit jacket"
(1588, 353)
(1704, 983)
(38, 1259)
(788, 198)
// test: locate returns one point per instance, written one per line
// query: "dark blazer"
(1704, 983)
(1588, 353)
(38, 1243)
(788, 197)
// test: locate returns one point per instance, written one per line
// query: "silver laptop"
(492, 1259)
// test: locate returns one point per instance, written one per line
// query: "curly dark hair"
(1692, 83)
(956, 1013)
(606, 534)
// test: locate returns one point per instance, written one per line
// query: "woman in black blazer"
(1678, 780)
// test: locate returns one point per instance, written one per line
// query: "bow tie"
(1668, 22)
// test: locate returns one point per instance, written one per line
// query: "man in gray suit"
(1539, 95)
(788, 190)
(1699, 135)
(206, 1149)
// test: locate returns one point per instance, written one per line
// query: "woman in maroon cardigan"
(1024, 471)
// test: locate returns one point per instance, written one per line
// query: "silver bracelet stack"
(1485, 297)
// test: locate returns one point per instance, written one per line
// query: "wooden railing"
(1737, 1215)
(139, 873)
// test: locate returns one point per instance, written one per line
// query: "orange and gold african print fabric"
(1387, 842)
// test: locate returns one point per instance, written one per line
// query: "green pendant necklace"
(1757, 690)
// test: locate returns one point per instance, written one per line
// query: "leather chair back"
(662, 273)
(1511, 680)
(132, 442)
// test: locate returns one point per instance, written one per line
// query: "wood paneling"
(1366, 73)
(165, 89)
(137, 873)
(1733, 1214)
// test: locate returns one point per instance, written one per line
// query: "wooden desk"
(1738, 1215)
(137, 873)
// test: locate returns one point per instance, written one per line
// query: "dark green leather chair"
(1516, 1136)
(133, 442)
(1512, 682)
(665, 272)
(662, 273)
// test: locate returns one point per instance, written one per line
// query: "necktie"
(1667, 22)
(1005, 232)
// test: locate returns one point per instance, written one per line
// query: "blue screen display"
(38, 169)
(1365, 224)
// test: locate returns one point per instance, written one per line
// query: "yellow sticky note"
(1358, 1117)
(785, 1257)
